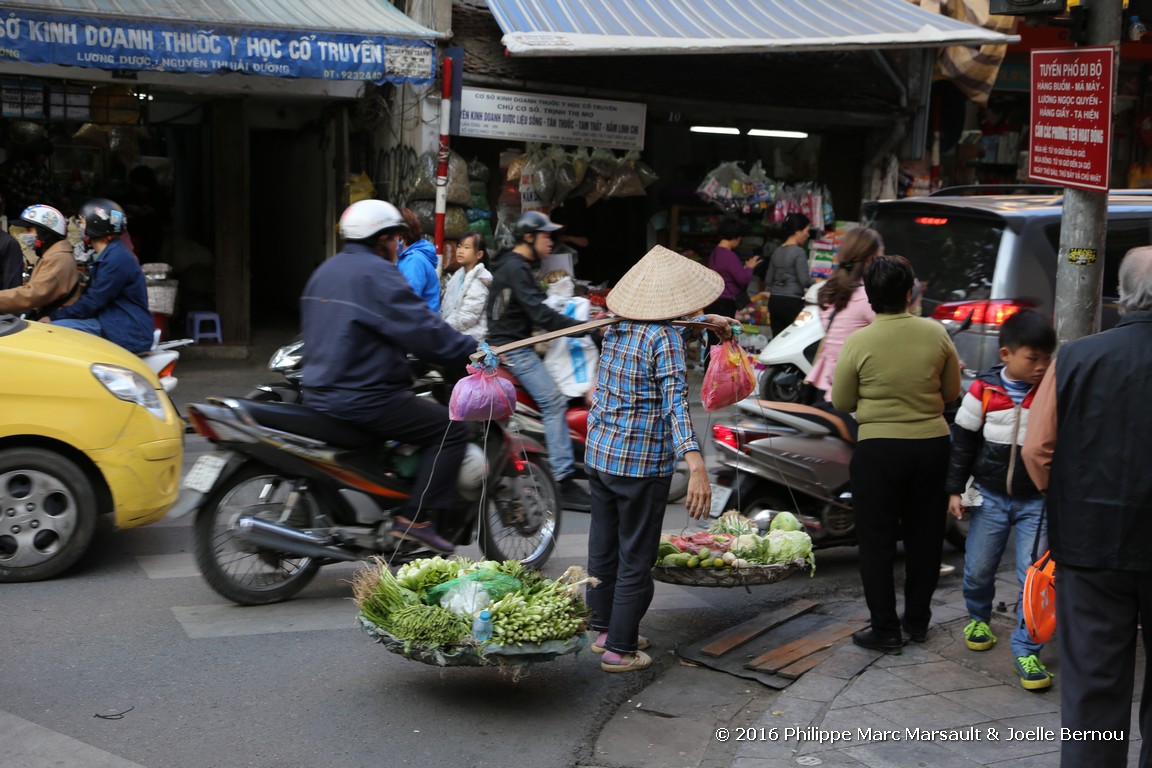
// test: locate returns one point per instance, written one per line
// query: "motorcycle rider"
(359, 318)
(515, 305)
(55, 280)
(115, 303)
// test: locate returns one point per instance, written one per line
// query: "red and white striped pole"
(442, 159)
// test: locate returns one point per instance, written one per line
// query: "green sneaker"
(1033, 675)
(978, 636)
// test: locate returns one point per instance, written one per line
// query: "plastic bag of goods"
(424, 185)
(729, 378)
(481, 396)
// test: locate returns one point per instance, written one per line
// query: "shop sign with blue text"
(138, 44)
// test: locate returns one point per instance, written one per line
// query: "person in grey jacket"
(788, 275)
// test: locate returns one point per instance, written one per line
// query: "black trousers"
(898, 492)
(627, 515)
(782, 310)
(1096, 616)
(424, 422)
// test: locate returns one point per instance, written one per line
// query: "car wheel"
(47, 514)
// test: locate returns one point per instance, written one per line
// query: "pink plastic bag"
(481, 396)
(729, 378)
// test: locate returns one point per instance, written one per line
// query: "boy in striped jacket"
(989, 430)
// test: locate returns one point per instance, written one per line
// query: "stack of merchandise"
(542, 178)
(733, 190)
(422, 195)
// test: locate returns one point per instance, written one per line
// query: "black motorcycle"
(290, 489)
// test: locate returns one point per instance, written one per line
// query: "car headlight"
(129, 386)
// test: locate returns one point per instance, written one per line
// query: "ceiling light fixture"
(777, 134)
(715, 129)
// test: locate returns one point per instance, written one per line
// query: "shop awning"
(368, 40)
(642, 27)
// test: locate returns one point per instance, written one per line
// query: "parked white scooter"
(787, 360)
(161, 359)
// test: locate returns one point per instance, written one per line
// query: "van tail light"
(990, 313)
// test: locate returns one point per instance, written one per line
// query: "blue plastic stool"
(204, 326)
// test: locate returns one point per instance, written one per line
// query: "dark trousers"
(782, 310)
(627, 514)
(1096, 616)
(424, 422)
(898, 492)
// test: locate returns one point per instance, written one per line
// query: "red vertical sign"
(1071, 141)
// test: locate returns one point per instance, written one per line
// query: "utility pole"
(1085, 215)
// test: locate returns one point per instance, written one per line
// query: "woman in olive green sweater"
(897, 374)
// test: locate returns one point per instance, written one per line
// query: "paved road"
(131, 660)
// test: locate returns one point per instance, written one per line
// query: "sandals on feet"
(639, 660)
(641, 644)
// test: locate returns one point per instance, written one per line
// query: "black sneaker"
(867, 638)
(573, 497)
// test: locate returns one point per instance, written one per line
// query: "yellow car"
(85, 430)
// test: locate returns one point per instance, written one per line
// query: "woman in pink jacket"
(844, 305)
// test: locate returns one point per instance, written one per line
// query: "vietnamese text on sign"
(539, 117)
(1071, 141)
(40, 38)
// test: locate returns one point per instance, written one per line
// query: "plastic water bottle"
(482, 627)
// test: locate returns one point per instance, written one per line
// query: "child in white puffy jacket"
(466, 295)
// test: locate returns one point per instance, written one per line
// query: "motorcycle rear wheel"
(781, 383)
(235, 569)
(521, 517)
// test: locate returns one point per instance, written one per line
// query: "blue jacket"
(359, 318)
(117, 296)
(418, 265)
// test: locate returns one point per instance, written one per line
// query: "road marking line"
(302, 615)
(28, 745)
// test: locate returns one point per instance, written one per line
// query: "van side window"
(1121, 237)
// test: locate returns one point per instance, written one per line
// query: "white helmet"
(47, 217)
(365, 218)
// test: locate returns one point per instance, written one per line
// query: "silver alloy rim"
(39, 516)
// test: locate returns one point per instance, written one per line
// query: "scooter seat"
(827, 419)
(299, 419)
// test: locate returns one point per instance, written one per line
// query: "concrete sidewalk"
(937, 704)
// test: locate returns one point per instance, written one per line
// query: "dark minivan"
(986, 256)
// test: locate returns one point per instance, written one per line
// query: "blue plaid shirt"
(639, 422)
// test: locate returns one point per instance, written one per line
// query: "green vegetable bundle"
(530, 608)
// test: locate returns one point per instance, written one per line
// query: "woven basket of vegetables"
(733, 553)
(425, 611)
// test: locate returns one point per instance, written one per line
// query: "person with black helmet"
(55, 280)
(360, 318)
(115, 303)
(515, 306)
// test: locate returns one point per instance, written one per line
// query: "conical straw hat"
(664, 285)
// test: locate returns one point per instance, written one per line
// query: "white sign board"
(558, 119)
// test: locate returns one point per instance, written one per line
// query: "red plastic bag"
(729, 378)
(481, 396)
